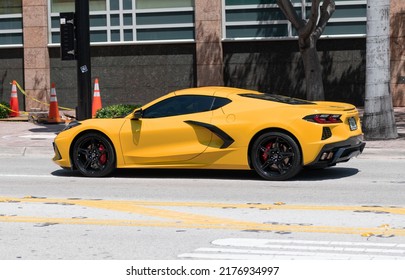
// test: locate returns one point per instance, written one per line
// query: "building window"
(263, 19)
(58, 6)
(11, 28)
(118, 21)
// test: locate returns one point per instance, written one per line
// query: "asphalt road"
(352, 211)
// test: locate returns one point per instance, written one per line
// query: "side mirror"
(137, 114)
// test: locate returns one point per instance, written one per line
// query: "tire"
(93, 155)
(276, 156)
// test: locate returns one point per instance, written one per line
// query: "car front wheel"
(276, 156)
(93, 155)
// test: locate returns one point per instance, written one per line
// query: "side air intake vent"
(326, 133)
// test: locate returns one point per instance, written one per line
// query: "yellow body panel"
(188, 140)
(142, 141)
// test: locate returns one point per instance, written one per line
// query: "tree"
(309, 32)
(378, 120)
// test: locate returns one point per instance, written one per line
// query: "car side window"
(220, 102)
(184, 104)
(179, 105)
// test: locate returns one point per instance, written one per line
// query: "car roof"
(214, 90)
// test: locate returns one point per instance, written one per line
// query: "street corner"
(27, 139)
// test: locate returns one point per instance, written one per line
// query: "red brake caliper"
(103, 157)
(265, 154)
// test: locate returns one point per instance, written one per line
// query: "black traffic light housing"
(75, 45)
(67, 36)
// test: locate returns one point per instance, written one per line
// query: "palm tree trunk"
(378, 120)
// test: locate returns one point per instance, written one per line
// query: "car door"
(163, 135)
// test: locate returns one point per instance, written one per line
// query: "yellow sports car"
(216, 128)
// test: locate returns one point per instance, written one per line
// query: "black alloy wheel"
(93, 155)
(276, 156)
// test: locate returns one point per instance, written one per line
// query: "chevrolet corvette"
(216, 128)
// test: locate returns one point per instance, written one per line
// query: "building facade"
(142, 49)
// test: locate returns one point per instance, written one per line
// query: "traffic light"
(67, 36)
(75, 45)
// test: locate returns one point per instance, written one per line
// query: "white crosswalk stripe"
(249, 248)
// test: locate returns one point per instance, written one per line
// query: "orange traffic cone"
(96, 99)
(53, 115)
(15, 112)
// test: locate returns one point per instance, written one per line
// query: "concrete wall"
(277, 67)
(138, 74)
(11, 68)
(397, 17)
(133, 74)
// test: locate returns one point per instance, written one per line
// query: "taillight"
(324, 118)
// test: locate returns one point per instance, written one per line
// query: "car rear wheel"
(93, 155)
(276, 156)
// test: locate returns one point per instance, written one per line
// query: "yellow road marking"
(236, 225)
(112, 204)
(177, 219)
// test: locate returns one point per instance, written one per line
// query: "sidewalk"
(398, 143)
(23, 138)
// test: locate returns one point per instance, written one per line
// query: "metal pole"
(83, 110)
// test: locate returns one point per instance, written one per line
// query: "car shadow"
(52, 128)
(306, 175)
(331, 173)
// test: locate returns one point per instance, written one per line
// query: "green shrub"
(4, 110)
(116, 111)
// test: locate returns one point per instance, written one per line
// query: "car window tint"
(179, 105)
(220, 102)
(277, 98)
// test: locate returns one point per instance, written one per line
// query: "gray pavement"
(24, 138)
